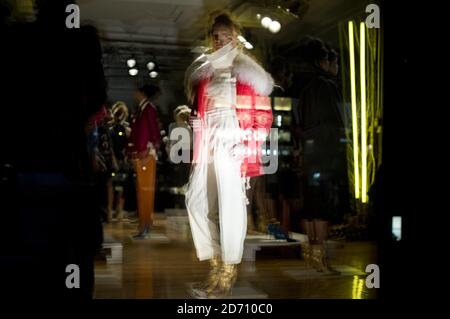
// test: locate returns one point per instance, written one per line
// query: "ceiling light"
(131, 63)
(150, 66)
(133, 71)
(274, 26)
(153, 74)
(266, 21)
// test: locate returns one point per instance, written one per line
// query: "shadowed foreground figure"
(54, 82)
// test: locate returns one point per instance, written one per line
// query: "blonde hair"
(120, 110)
(182, 112)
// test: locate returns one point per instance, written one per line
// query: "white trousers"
(215, 198)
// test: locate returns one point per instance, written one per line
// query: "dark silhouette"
(53, 82)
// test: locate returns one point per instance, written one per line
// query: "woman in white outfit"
(229, 92)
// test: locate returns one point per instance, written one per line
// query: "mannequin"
(120, 133)
(145, 142)
(229, 92)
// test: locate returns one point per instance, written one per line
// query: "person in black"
(321, 133)
(280, 186)
(53, 81)
(103, 160)
(120, 133)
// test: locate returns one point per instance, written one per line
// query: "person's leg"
(262, 210)
(213, 209)
(215, 261)
(201, 198)
(150, 209)
(129, 192)
(138, 171)
(250, 196)
(231, 197)
(232, 209)
(110, 198)
(226, 171)
(120, 203)
(144, 193)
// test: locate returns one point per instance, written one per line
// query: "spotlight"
(153, 74)
(266, 21)
(133, 71)
(258, 16)
(274, 26)
(248, 45)
(150, 66)
(131, 63)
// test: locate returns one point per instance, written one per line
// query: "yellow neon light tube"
(354, 114)
(362, 60)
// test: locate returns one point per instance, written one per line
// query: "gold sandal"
(210, 283)
(225, 283)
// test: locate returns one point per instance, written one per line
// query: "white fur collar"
(244, 68)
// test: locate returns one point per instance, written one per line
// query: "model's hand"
(224, 57)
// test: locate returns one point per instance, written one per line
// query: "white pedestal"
(242, 290)
(114, 250)
(253, 245)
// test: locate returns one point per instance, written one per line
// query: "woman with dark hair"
(314, 53)
(229, 92)
(321, 129)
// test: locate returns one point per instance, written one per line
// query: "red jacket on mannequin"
(145, 128)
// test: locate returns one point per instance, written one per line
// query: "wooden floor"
(162, 267)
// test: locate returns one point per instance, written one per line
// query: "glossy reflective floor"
(163, 266)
